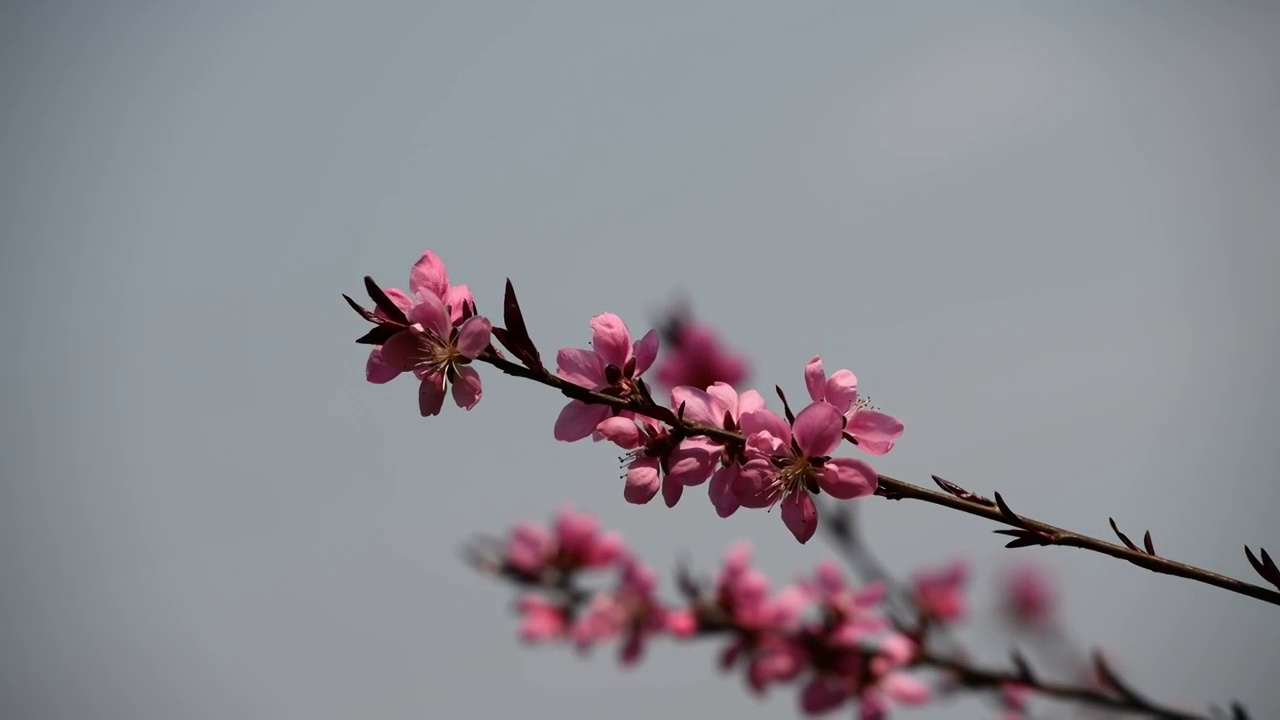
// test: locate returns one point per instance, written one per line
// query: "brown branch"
(1027, 531)
(713, 622)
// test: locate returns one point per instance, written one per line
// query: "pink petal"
(457, 297)
(699, 406)
(905, 689)
(671, 491)
(898, 648)
(577, 420)
(874, 426)
(645, 351)
(725, 399)
(842, 390)
(642, 481)
(750, 401)
(871, 706)
(799, 515)
(527, 547)
(473, 336)
(580, 367)
(874, 448)
(377, 370)
(621, 431)
(681, 623)
(823, 694)
(428, 277)
(611, 339)
(721, 493)
(403, 350)
(767, 422)
(817, 429)
(691, 462)
(847, 478)
(815, 379)
(431, 394)
(466, 388)
(753, 486)
(431, 314)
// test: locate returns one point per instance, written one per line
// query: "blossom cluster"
(830, 640)
(748, 455)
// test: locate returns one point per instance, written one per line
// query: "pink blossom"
(696, 357)
(788, 463)
(631, 611)
(871, 430)
(940, 593)
(575, 544)
(854, 613)
(541, 619)
(719, 406)
(613, 366)
(427, 278)
(439, 354)
(872, 680)
(657, 458)
(1029, 597)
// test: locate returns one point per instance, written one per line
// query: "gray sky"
(1043, 237)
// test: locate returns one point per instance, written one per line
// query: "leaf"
(1123, 538)
(515, 337)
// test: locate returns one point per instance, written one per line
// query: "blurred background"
(1044, 237)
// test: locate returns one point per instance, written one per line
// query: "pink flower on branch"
(939, 594)
(439, 354)
(720, 406)
(428, 278)
(633, 612)
(613, 366)
(789, 463)
(871, 430)
(658, 458)
(575, 543)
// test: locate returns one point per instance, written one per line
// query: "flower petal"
(874, 426)
(691, 462)
(841, 390)
(577, 420)
(847, 478)
(699, 406)
(428, 277)
(457, 297)
(377, 370)
(750, 401)
(725, 399)
(528, 547)
(800, 515)
(817, 429)
(905, 688)
(466, 388)
(646, 349)
(611, 339)
(815, 379)
(642, 481)
(580, 367)
(430, 313)
(823, 693)
(721, 493)
(765, 421)
(403, 350)
(431, 394)
(621, 431)
(672, 489)
(473, 336)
